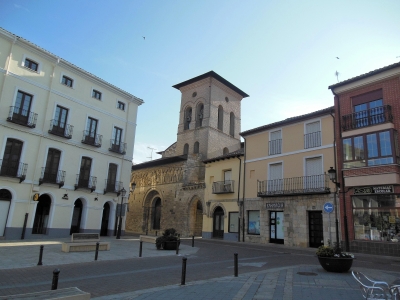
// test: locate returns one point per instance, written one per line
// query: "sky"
(284, 54)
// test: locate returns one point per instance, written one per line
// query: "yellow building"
(286, 184)
(224, 184)
(66, 144)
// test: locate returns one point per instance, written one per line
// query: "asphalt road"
(214, 259)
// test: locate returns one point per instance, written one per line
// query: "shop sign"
(276, 205)
(379, 189)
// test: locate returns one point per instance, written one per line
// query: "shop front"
(376, 220)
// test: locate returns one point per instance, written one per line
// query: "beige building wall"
(47, 90)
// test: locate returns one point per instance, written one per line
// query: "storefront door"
(276, 227)
(315, 228)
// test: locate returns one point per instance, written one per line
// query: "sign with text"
(379, 189)
(276, 205)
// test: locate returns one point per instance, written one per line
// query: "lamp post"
(332, 177)
(123, 192)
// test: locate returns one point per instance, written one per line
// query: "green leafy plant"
(329, 251)
(169, 235)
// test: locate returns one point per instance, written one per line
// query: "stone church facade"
(169, 192)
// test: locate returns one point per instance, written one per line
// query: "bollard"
(236, 264)
(140, 249)
(192, 240)
(54, 284)
(183, 277)
(40, 256)
(97, 251)
(177, 247)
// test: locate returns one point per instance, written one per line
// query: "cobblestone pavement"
(282, 272)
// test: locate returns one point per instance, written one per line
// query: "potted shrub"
(332, 259)
(169, 240)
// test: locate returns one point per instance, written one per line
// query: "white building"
(66, 145)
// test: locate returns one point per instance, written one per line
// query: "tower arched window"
(196, 147)
(186, 149)
(188, 118)
(232, 124)
(220, 117)
(199, 115)
(225, 151)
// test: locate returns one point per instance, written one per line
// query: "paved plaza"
(300, 280)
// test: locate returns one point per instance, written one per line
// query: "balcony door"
(112, 177)
(60, 120)
(227, 181)
(11, 157)
(91, 130)
(22, 107)
(84, 172)
(314, 180)
(52, 164)
(275, 178)
(116, 139)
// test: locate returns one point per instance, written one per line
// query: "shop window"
(253, 225)
(376, 217)
(233, 222)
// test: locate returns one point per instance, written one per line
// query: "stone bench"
(72, 293)
(148, 239)
(83, 242)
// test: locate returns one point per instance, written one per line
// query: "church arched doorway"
(105, 219)
(218, 223)
(42, 215)
(5, 202)
(157, 214)
(76, 217)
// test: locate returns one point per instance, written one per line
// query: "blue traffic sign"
(328, 207)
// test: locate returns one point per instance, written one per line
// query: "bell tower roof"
(214, 75)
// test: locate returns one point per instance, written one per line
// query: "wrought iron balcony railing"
(86, 182)
(49, 176)
(113, 186)
(91, 138)
(312, 140)
(13, 169)
(275, 147)
(315, 184)
(223, 187)
(117, 148)
(22, 117)
(365, 118)
(61, 129)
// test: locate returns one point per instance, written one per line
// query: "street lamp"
(123, 192)
(332, 177)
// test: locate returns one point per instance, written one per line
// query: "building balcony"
(112, 186)
(92, 139)
(223, 187)
(86, 183)
(366, 118)
(61, 129)
(305, 185)
(275, 147)
(22, 117)
(48, 176)
(312, 140)
(13, 169)
(117, 148)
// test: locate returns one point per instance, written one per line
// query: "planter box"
(334, 264)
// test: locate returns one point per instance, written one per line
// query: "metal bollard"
(140, 249)
(177, 247)
(97, 251)
(192, 240)
(40, 256)
(183, 277)
(54, 284)
(236, 264)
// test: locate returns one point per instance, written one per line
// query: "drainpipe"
(346, 229)
(238, 195)
(244, 188)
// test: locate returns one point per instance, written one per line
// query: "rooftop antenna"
(151, 154)
(337, 75)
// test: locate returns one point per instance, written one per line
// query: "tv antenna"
(151, 154)
(337, 75)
